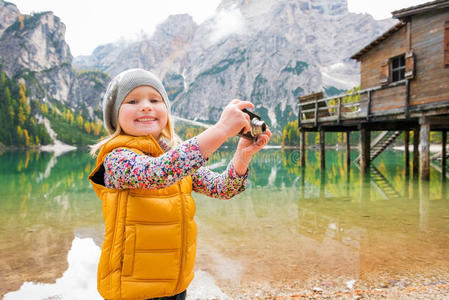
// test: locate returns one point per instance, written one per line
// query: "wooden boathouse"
(404, 86)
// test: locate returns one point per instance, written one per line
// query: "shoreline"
(57, 148)
(60, 147)
(423, 291)
(416, 287)
(433, 148)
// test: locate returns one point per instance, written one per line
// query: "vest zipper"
(183, 241)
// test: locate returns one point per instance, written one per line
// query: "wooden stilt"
(365, 142)
(322, 150)
(424, 147)
(348, 183)
(303, 182)
(443, 154)
(444, 185)
(424, 197)
(406, 153)
(348, 150)
(303, 148)
(415, 152)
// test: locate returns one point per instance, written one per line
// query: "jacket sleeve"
(223, 185)
(127, 169)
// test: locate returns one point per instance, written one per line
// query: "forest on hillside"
(21, 119)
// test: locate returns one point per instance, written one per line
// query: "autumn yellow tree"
(79, 121)
(23, 98)
(87, 127)
(20, 19)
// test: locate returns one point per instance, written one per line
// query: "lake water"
(291, 228)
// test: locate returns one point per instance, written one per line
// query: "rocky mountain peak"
(34, 42)
(325, 7)
(8, 15)
(181, 26)
(170, 40)
(266, 51)
(33, 47)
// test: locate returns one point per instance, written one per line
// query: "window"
(398, 68)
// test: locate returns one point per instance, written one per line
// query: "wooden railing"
(313, 109)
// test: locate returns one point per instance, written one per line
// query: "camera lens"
(257, 127)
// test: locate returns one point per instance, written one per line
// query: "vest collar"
(145, 144)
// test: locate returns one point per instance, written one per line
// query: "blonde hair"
(168, 134)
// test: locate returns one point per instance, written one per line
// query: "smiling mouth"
(146, 119)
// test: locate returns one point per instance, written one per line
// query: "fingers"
(263, 138)
(239, 105)
(244, 104)
(233, 120)
(268, 132)
(247, 127)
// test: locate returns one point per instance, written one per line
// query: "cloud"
(227, 22)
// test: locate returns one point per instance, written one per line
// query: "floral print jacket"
(125, 169)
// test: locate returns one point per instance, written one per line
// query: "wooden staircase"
(438, 156)
(436, 159)
(382, 141)
(384, 187)
(382, 183)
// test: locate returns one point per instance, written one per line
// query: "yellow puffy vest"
(150, 235)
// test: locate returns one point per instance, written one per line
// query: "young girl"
(144, 175)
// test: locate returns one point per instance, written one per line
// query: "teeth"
(145, 120)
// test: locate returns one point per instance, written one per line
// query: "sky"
(91, 23)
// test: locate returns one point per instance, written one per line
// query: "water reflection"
(293, 226)
(328, 224)
(44, 199)
(77, 282)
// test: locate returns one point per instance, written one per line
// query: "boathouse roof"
(379, 40)
(402, 15)
(419, 9)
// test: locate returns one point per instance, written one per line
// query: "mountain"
(38, 86)
(33, 47)
(266, 51)
(8, 15)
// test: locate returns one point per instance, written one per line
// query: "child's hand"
(249, 147)
(233, 119)
(246, 149)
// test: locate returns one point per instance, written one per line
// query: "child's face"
(143, 112)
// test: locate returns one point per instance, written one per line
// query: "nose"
(146, 105)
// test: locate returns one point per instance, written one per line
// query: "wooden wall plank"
(431, 81)
(432, 78)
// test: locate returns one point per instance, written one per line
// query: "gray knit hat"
(120, 87)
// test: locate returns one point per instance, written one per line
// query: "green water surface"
(291, 226)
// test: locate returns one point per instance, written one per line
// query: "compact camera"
(257, 126)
